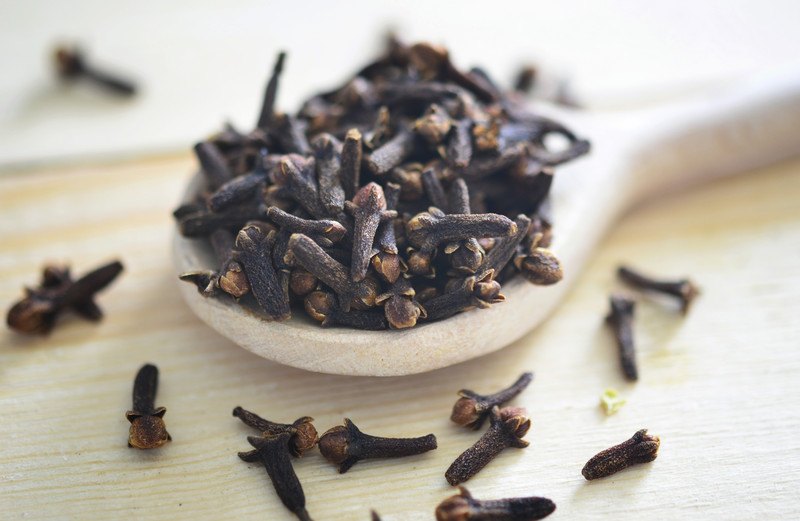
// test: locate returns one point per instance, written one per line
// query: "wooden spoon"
(635, 156)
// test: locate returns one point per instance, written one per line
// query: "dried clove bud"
(469, 293)
(322, 307)
(684, 289)
(71, 64)
(463, 507)
(368, 209)
(345, 445)
(313, 258)
(273, 452)
(620, 319)
(391, 154)
(540, 267)
(38, 311)
(147, 429)
(268, 106)
(270, 290)
(351, 163)
(508, 426)
(641, 448)
(472, 409)
(400, 307)
(302, 431)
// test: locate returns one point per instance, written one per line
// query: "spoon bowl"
(635, 156)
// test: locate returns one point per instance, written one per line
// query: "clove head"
(147, 431)
(540, 267)
(335, 443)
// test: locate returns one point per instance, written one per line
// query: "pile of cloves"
(408, 194)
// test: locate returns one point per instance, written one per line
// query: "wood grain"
(720, 386)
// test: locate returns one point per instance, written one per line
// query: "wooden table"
(720, 386)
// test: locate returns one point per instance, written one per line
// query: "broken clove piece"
(463, 507)
(472, 409)
(38, 311)
(508, 426)
(345, 445)
(641, 448)
(147, 429)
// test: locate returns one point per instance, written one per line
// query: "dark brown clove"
(391, 154)
(71, 65)
(273, 452)
(235, 191)
(314, 259)
(322, 307)
(427, 230)
(434, 125)
(270, 290)
(324, 231)
(463, 507)
(351, 163)
(345, 445)
(540, 267)
(38, 311)
(508, 426)
(526, 79)
(213, 165)
(620, 319)
(302, 431)
(472, 409)
(471, 292)
(147, 429)
(401, 308)
(387, 263)
(268, 105)
(641, 448)
(368, 209)
(459, 147)
(331, 193)
(684, 289)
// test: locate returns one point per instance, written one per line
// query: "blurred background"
(200, 63)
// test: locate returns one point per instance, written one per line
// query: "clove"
(368, 209)
(463, 507)
(147, 429)
(270, 289)
(683, 289)
(641, 448)
(302, 431)
(345, 445)
(38, 311)
(71, 64)
(273, 452)
(472, 409)
(507, 427)
(620, 319)
(401, 308)
(313, 258)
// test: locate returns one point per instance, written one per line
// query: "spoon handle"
(750, 124)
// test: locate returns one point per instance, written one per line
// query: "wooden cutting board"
(720, 386)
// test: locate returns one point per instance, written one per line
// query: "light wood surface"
(720, 386)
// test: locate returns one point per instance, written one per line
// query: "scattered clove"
(472, 409)
(641, 448)
(506, 429)
(345, 445)
(684, 289)
(71, 65)
(463, 507)
(38, 311)
(302, 431)
(620, 319)
(147, 429)
(273, 452)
